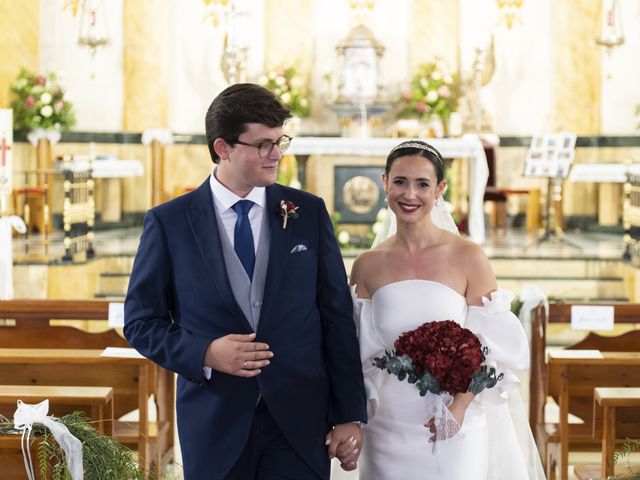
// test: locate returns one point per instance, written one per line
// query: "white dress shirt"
(224, 200)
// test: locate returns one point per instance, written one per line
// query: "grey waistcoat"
(247, 293)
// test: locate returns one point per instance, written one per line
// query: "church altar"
(468, 146)
(110, 170)
(608, 176)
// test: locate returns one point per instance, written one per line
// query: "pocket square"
(299, 248)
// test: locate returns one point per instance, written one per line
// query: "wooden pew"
(572, 377)
(97, 401)
(11, 460)
(86, 367)
(611, 426)
(560, 313)
(32, 328)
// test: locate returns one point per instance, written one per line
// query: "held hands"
(345, 443)
(238, 355)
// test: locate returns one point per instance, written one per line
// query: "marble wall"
(163, 64)
(185, 167)
(163, 67)
(19, 48)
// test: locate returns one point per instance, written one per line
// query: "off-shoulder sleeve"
(500, 331)
(370, 348)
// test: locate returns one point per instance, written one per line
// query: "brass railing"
(631, 219)
(78, 212)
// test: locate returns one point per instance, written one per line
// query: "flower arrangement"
(103, 456)
(440, 357)
(288, 85)
(39, 103)
(433, 91)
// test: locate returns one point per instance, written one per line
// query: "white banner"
(6, 158)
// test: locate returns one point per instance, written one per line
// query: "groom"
(239, 287)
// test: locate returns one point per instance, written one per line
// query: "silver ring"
(244, 364)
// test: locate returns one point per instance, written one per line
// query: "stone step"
(118, 263)
(113, 296)
(113, 282)
(556, 267)
(570, 288)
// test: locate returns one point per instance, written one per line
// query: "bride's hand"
(458, 409)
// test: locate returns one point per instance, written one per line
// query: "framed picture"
(358, 193)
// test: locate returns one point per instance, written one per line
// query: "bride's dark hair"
(417, 147)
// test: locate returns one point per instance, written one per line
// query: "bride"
(426, 273)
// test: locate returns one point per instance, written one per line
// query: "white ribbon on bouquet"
(24, 418)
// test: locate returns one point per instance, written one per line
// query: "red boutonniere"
(287, 210)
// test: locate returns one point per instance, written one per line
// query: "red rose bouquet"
(440, 357)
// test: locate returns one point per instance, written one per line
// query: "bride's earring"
(439, 201)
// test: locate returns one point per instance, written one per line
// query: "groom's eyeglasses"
(265, 148)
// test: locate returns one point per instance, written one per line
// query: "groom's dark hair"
(237, 105)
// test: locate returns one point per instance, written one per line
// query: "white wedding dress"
(495, 441)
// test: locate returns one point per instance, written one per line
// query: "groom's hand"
(238, 355)
(345, 443)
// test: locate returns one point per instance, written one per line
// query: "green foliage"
(485, 378)
(516, 305)
(433, 91)
(628, 448)
(402, 367)
(289, 86)
(38, 102)
(103, 457)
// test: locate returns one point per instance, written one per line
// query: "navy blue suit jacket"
(180, 300)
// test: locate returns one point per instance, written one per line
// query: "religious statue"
(475, 116)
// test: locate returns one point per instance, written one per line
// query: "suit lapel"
(202, 219)
(278, 250)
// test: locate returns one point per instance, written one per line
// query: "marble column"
(578, 85)
(578, 66)
(435, 32)
(147, 51)
(19, 42)
(288, 41)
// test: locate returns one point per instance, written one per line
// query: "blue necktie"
(242, 236)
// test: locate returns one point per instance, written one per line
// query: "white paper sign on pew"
(592, 317)
(116, 315)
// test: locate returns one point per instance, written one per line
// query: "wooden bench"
(572, 378)
(33, 327)
(11, 460)
(62, 400)
(97, 400)
(561, 314)
(85, 367)
(607, 402)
